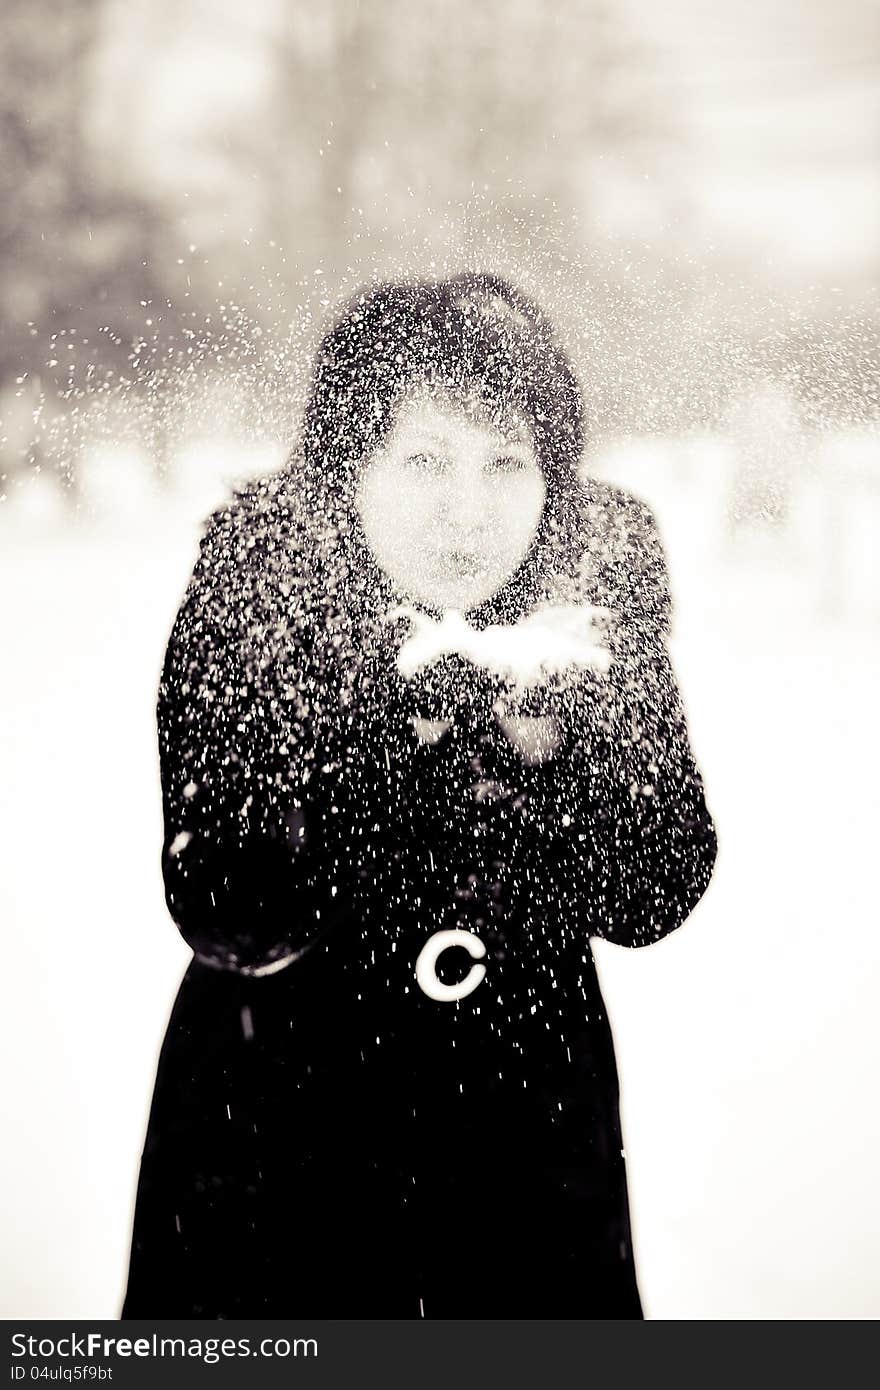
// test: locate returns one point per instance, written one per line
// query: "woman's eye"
(425, 463)
(506, 463)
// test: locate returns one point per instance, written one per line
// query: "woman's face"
(451, 501)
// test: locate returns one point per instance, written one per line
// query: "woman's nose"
(459, 503)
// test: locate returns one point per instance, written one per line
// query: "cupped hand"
(535, 737)
(430, 730)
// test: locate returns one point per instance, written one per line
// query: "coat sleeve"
(634, 833)
(248, 859)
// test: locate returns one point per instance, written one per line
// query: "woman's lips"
(454, 564)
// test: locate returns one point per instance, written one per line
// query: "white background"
(747, 1041)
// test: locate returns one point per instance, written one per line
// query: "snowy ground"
(747, 1041)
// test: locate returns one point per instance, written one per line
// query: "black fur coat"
(388, 1085)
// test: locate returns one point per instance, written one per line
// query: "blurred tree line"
(76, 250)
(143, 260)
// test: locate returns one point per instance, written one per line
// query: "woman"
(420, 740)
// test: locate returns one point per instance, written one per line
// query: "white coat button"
(426, 965)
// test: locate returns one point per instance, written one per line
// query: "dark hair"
(473, 333)
(475, 336)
